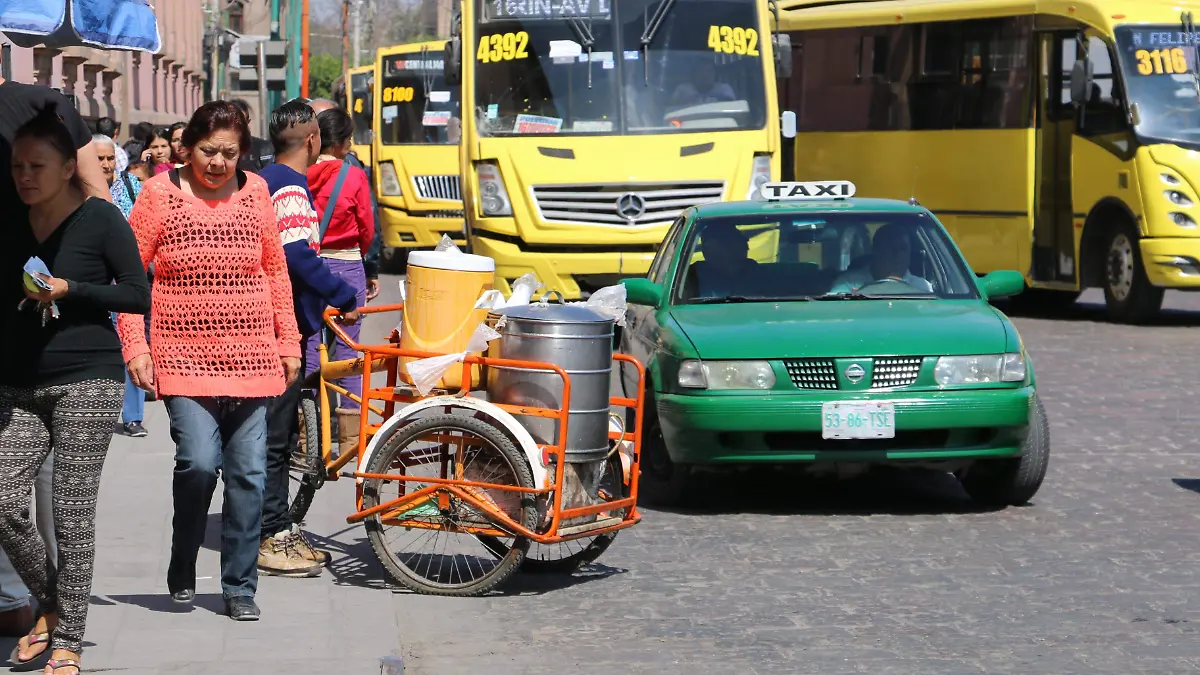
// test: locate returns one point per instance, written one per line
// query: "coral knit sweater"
(221, 303)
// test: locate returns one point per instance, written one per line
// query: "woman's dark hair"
(144, 132)
(178, 125)
(161, 132)
(217, 116)
(336, 127)
(48, 127)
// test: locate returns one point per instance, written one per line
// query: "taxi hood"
(842, 328)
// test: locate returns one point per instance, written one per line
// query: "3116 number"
(1161, 62)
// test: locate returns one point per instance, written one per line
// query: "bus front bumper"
(1172, 262)
(573, 274)
(419, 229)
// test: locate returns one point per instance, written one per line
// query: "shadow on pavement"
(524, 583)
(1192, 484)
(1095, 313)
(163, 604)
(882, 491)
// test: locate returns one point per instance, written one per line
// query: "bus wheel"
(1035, 300)
(1128, 293)
(392, 260)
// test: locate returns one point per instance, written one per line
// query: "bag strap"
(128, 185)
(333, 197)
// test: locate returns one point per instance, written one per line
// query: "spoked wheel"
(433, 546)
(567, 556)
(307, 470)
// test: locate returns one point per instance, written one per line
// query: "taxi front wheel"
(1013, 482)
(662, 482)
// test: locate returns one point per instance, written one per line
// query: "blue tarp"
(109, 24)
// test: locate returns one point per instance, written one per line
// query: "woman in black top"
(61, 375)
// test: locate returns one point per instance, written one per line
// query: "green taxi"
(812, 327)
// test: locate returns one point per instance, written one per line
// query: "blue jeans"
(134, 409)
(226, 436)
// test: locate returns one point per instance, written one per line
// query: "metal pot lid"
(557, 312)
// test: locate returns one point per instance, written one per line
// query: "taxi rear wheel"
(1013, 482)
(662, 482)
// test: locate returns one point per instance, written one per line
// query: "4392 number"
(503, 47)
(733, 40)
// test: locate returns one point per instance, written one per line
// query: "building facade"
(129, 87)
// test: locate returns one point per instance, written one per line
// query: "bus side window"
(1104, 112)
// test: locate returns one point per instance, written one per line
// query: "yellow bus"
(595, 122)
(414, 148)
(1055, 137)
(359, 103)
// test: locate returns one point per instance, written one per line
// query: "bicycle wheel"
(431, 553)
(307, 470)
(567, 556)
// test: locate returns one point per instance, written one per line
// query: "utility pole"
(346, 39)
(304, 49)
(357, 31)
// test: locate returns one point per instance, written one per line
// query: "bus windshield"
(617, 67)
(417, 105)
(360, 93)
(1159, 63)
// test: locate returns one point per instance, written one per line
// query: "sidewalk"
(342, 622)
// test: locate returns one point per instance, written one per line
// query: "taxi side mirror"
(1003, 284)
(642, 291)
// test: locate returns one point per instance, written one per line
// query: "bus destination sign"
(545, 10)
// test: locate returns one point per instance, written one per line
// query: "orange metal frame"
(388, 357)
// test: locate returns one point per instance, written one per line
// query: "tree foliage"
(323, 69)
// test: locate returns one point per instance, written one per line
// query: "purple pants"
(353, 274)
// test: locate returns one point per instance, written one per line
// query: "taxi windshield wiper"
(750, 298)
(855, 295)
(652, 26)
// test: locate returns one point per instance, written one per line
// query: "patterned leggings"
(76, 421)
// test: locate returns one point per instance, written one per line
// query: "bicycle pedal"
(346, 474)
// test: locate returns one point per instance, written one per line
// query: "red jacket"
(353, 221)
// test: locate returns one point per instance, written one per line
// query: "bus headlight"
(492, 195)
(1178, 198)
(1183, 220)
(715, 375)
(979, 369)
(389, 182)
(760, 174)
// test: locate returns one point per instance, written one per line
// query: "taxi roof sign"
(807, 191)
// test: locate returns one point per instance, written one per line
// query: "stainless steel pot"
(574, 338)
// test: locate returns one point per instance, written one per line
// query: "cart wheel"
(308, 464)
(567, 556)
(420, 548)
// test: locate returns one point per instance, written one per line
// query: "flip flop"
(55, 664)
(33, 640)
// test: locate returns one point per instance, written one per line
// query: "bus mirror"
(788, 124)
(782, 43)
(1081, 82)
(452, 66)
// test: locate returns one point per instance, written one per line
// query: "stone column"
(70, 75)
(94, 106)
(178, 105)
(158, 105)
(43, 66)
(109, 79)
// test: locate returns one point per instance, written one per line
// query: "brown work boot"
(306, 550)
(16, 622)
(279, 556)
(348, 421)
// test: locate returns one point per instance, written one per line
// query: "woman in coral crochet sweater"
(223, 340)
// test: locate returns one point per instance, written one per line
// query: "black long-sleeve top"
(91, 249)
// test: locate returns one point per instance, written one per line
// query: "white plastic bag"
(490, 300)
(608, 301)
(447, 245)
(523, 289)
(425, 373)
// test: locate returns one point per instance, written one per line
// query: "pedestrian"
(139, 141)
(224, 341)
(175, 132)
(158, 154)
(107, 126)
(262, 152)
(342, 197)
(296, 138)
(371, 255)
(19, 103)
(125, 190)
(140, 170)
(60, 376)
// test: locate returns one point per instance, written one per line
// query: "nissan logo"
(630, 206)
(855, 373)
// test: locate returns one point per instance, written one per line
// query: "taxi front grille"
(623, 203)
(895, 371)
(438, 187)
(812, 373)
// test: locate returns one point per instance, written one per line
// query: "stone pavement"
(888, 574)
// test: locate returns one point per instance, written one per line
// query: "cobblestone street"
(892, 573)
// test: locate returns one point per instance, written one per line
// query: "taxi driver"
(725, 263)
(891, 253)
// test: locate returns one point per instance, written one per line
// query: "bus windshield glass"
(617, 67)
(360, 93)
(417, 107)
(1159, 64)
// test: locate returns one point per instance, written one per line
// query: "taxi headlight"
(982, 369)
(717, 375)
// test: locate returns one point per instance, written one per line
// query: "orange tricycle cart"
(458, 491)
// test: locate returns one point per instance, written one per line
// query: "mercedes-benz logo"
(630, 206)
(855, 373)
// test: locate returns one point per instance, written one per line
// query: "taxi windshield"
(828, 256)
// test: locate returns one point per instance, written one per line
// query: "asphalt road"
(898, 573)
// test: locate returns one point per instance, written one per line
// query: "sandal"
(33, 639)
(55, 664)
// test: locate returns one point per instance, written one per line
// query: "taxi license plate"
(858, 420)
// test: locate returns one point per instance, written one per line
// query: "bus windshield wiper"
(652, 26)
(1189, 29)
(584, 30)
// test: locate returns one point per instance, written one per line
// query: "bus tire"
(1128, 293)
(1043, 300)
(392, 260)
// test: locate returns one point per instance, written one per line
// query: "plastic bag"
(490, 300)
(425, 373)
(447, 245)
(523, 289)
(608, 301)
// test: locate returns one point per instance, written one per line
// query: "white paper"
(602, 56)
(389, 112)
(565, 48)
(439, 97)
